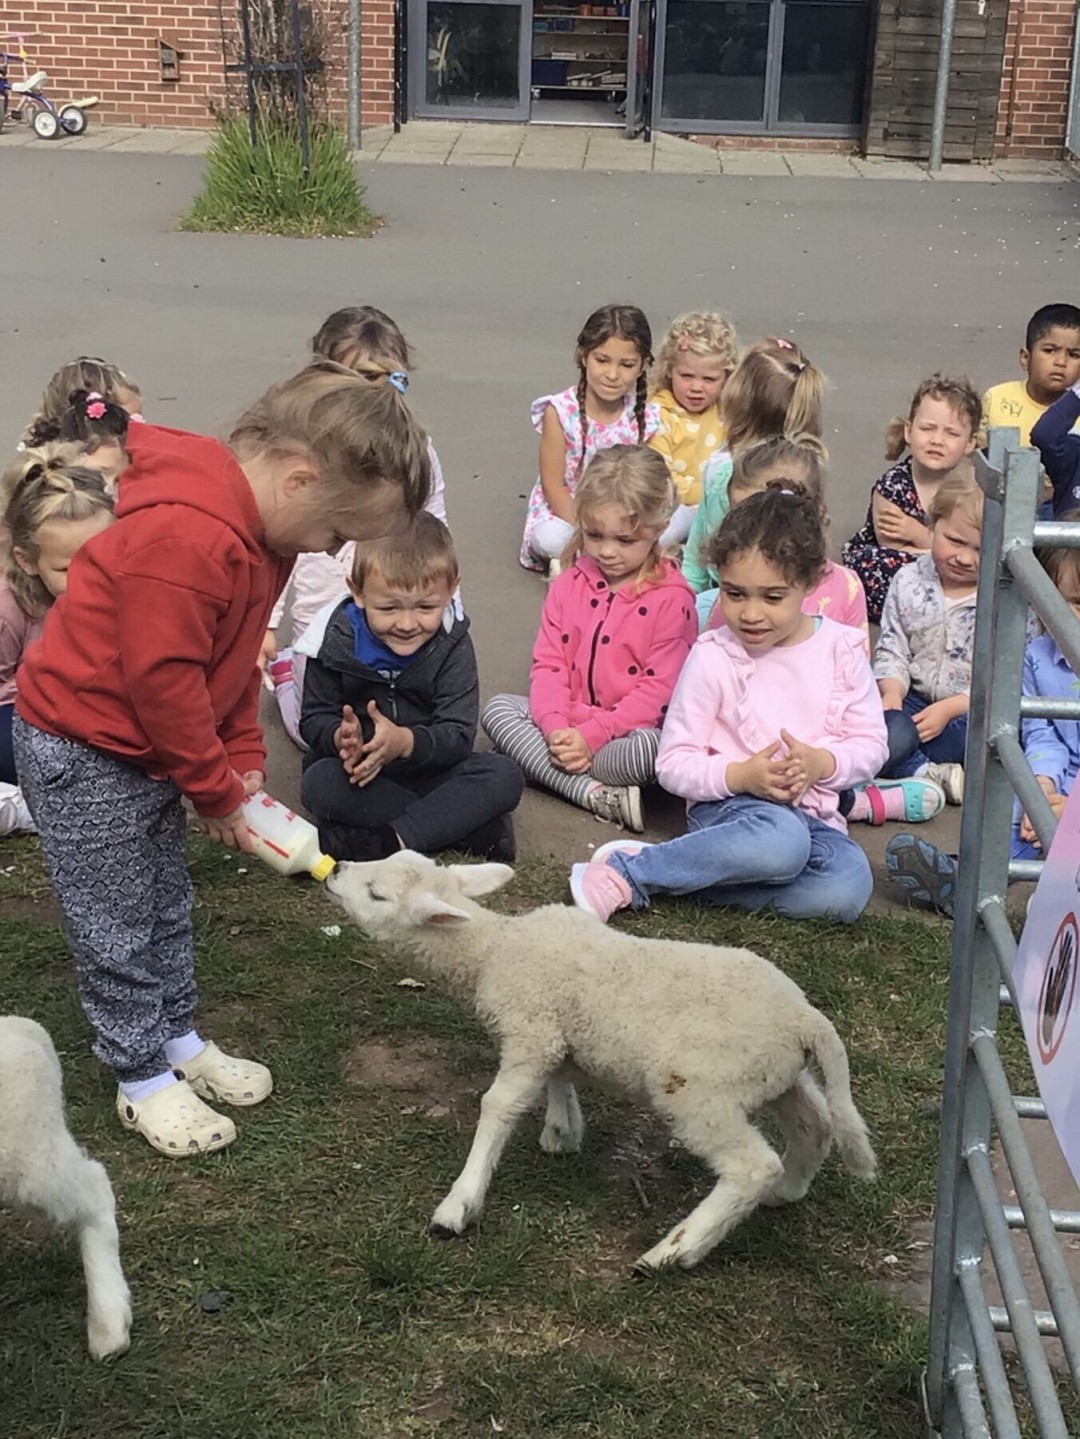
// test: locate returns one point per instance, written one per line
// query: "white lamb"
(705, 1035)
(43, 1168)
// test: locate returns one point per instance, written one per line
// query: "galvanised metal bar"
(1025, 870)
(1041, 591)
(991, 1366)
(1045, 1322)
(999, 931)
(1051, 1261)
(1025, 786)
(972, 1414)
(1025, 1333)
(1039, 707)
(1052, 534)
(985, 829)
(1029, 1108)
(1065, 1221)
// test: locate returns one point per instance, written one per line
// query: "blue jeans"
(7, 754)
(907, 752)
(753, 854)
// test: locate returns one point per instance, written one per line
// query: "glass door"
(470, 59)
(793, 67)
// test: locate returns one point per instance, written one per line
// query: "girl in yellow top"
(698, 354)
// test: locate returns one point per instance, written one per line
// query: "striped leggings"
(630, 760)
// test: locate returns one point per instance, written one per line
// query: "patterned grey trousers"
(115, 846)
(507, 722)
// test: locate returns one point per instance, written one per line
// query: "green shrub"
(264, 190)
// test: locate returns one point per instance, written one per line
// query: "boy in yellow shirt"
(1051, 361)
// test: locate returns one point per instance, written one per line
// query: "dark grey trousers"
(115, 846)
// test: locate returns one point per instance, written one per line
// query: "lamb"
(43, 1168)
(705, 1035)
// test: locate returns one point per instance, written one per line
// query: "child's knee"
(784, 845)
(504, 777)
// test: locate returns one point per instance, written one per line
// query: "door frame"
(417, 57)
(769, 124)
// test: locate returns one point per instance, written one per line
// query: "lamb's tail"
(848, 1126)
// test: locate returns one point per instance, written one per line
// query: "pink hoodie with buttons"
(606, 661)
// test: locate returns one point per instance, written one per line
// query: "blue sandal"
(923, 799)
(923, 873)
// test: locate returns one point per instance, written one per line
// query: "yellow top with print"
(687, 442)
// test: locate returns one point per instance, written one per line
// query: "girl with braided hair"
(608, 406)
(50, 504)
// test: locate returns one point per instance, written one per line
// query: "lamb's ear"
(477, 879)
(424, 908)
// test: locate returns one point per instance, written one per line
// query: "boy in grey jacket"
(390, 710)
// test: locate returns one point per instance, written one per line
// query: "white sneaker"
(618, 804)
(14, 815)
(951, 779)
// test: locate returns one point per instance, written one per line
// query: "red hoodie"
(150, 655)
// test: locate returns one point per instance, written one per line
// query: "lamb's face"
(410, 891)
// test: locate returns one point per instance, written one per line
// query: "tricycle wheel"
(73, 120)
(46, 125)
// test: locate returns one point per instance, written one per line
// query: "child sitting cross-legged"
(390, 709)
(774, 715)
(617, 625)
(923, 656)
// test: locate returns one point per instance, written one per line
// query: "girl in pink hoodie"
(774, 715)
(616, 628)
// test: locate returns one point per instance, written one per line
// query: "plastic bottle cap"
(323, 867)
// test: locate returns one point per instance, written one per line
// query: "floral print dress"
(621, 431)
(875, 564)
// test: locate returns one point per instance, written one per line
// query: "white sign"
(1045, 978)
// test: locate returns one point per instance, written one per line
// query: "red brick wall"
(376, 62)
(1035, 79)
(107, 48)
(111, 49)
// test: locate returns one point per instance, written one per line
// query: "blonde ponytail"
(43, 485)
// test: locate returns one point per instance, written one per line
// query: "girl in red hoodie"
(615, 631)
(143, 691)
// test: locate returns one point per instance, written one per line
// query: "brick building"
(852, 73)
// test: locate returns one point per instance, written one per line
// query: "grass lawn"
(337, 1315)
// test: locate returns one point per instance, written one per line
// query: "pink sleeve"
(672, 637)
(862, 746)
(852, 610)
(687, 764)
(549, 678)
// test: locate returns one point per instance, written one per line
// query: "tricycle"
(25, 99)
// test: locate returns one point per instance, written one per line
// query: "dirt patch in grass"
(42, 909)
(411, 1068)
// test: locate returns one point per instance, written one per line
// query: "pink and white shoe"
(599, 889)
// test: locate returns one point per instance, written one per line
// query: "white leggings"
(550, 538)
(678, 530)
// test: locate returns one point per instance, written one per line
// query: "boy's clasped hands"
(781, 777)
(363, 760)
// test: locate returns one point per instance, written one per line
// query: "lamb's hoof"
(554, 1139)
(107, 1340)
(451, 1219)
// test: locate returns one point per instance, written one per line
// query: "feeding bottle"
(284, 840)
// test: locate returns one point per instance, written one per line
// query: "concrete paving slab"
(420, 144)
(692, 160)
(147, 142)
(491, 139)
(466, 158)
(393, 156)
(838, 167)
(974, 174)
(376, 137)
(1027, 172)
(756, 163)
(528, 160)
(192, 144)
(612, 164)
(873, 168)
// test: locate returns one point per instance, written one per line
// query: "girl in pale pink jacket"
(774, 715)
(616, 628)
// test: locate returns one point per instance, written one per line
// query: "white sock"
(184, 1047)
(143, 1088)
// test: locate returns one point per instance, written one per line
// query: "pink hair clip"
(95, 410)
(783, 344)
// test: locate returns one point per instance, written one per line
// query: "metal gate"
(967, 1387)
